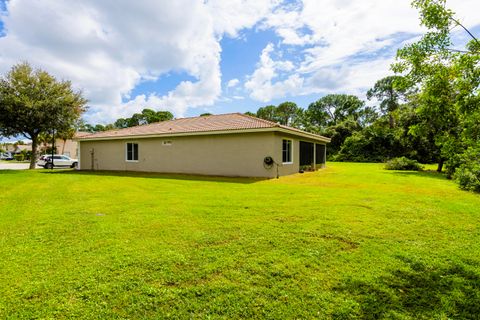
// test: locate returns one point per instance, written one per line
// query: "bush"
(403, 163)
(19, 157)
(468, 174)
(26, 154)
(306, 168)
(373, 144)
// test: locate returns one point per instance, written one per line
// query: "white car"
(58, 161)
(6, 156)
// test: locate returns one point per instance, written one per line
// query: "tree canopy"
(147, 116)
(334, 108)
(34, 102)
(286, 113)
(447, 81)
(390, 94)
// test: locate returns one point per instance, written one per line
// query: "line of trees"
(147, 116)
(358, 132)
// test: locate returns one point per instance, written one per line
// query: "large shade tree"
(390, 95)
(447, 80)
(335, 108)
(33, 102)
(286, 113)
(268, 113)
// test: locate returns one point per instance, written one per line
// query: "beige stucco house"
(222, 145)
(18, 148)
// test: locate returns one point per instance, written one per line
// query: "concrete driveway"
(14, 165)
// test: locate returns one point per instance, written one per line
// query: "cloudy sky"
(215, 56)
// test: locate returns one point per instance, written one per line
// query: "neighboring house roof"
(27, 147)
(214, 124)
(18, 148)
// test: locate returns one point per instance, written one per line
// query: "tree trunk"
(33, 158)
(440, 165)
(391, 121)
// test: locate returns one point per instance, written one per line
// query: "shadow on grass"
(10, 171)
(425, 174)
(419, 291)
(154, 175)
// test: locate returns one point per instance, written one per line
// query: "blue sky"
(217, 56)
(239, 56)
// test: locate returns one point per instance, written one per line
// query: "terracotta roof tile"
(79, 134)
(221, 122)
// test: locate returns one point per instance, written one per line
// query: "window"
(167, 143)
(287, 151)
(132, 151)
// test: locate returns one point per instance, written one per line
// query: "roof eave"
(167, 135)
(304, 134)
(203, 133)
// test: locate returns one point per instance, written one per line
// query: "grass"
(350, 241)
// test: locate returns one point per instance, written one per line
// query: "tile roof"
(202, 124)
(27, 147)
(80, 134)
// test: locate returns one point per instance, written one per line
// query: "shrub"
(373, 144)
(403, 163)
(306, 168)
(468, 174)
(19, 157)
(26, 154)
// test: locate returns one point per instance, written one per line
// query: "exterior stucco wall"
(224, 155)
(286, 169)
(290, 168)
(68, 147)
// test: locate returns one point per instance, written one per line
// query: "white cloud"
(342, 45)
(354, 77)
(108, 47)
(260, 83)
(233, 15)
(328, 35)
(233, 83)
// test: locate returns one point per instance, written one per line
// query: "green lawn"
(349, 241)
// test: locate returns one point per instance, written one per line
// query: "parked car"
(6, 156)
(58, 161)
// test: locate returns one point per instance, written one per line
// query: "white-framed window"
(166, 143)
(287, 151)
(131, 152)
